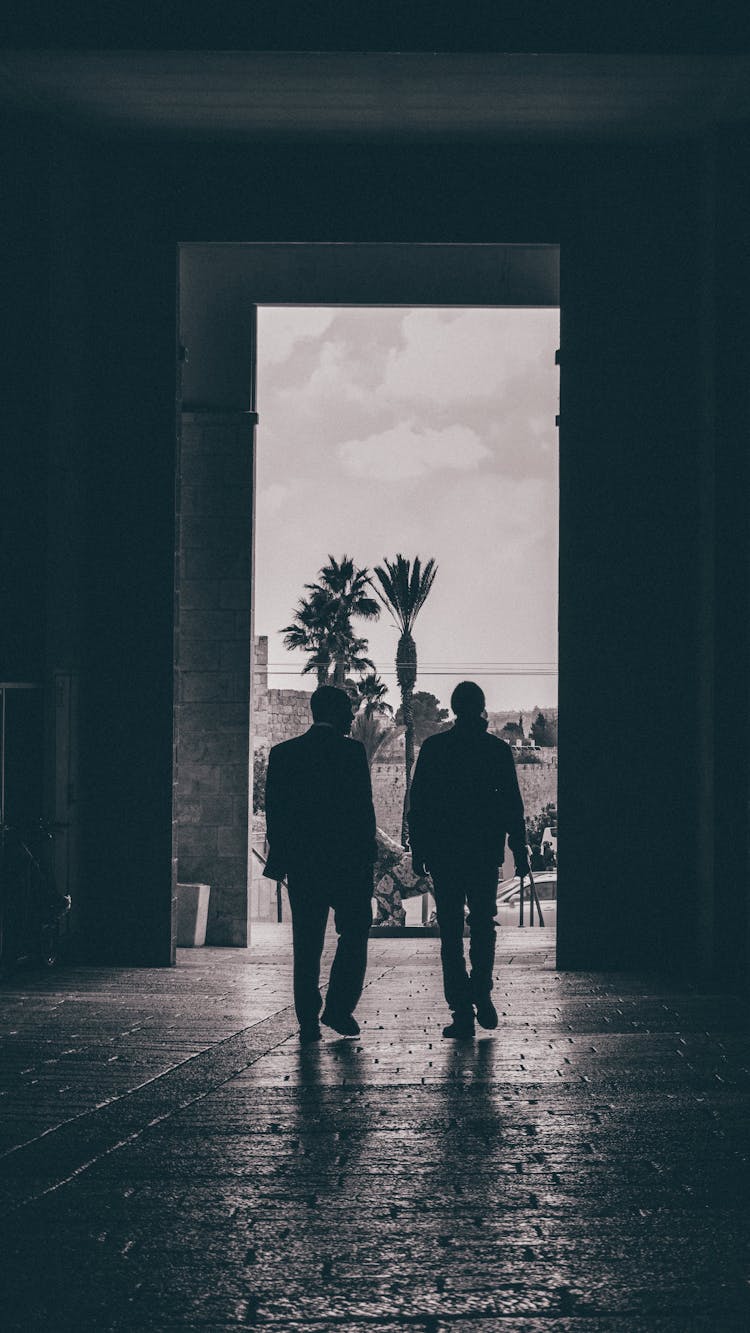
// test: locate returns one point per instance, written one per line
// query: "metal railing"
(533, 899)
(280, 883)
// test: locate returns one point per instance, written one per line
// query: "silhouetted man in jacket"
(320, 825)
(464, 800)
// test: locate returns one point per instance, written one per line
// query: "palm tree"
(348, 655)
(404, 588)
(344, 591)
(310, 631)
(371, 730)
(322, 623)
(371, 692)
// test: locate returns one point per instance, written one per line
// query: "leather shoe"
(310, 1032)
(486, 1013)
(462, 1026)
(345, 1024)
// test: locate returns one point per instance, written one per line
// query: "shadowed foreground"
(173, 1159)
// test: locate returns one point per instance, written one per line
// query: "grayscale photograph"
(374, 662)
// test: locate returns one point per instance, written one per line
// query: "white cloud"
(406, 451)
(335, 378)
(471, 356)
(280, 328)
(488, 387)
(271, 498)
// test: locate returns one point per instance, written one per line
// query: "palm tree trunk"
(406, 697)
(406, 675)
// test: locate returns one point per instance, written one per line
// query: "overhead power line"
(477, 663)
(477, 671)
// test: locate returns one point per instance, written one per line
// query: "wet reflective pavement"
(172, 1158)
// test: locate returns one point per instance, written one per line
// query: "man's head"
(467, 700)
(332, 705)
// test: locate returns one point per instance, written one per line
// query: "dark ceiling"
(683, 27)
(379, 95)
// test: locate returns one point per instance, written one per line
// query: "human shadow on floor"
(329, 1117)
(467, 1113)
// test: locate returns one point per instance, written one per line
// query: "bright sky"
(430, 432)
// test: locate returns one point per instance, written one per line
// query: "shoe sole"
(330, 1024)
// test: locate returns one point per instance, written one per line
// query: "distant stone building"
(277, 714)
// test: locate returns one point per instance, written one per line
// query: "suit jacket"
(319, 813)
(465, 799)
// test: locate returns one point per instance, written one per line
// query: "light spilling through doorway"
(429, 433)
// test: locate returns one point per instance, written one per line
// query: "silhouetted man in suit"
(464, 800)
(320, 825)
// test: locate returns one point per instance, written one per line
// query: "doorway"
(221, 288)
(430, 432)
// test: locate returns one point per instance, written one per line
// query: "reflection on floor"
(173, 1159)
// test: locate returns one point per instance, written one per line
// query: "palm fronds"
(404, 588)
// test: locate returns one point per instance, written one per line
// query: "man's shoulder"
(499, 749)
(313, 738)
(354, 748)
(332, 742)
(434, 744)
(497, 743)
(283, 749)
(437, 738)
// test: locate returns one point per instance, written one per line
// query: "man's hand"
(522, 864)
(275, 868)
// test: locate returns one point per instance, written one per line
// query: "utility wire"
(476, 663)
(458, 672)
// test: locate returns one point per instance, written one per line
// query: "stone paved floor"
(171, 1158)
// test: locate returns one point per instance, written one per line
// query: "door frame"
(220, 286)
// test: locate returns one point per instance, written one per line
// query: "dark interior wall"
(632, 595)
(90, 444)
(127, 739)
(24, 359)
(731, 573)
(634, 614)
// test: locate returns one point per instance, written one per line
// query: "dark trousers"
(311, 900)
(454, 886)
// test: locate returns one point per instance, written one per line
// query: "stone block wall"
(260, 693)
(212, 655)
(288, 714)
(537, 781)
(388, 787)
(278, 715)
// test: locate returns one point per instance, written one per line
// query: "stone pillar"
(213, 663)
(213, 650)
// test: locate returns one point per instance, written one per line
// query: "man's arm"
(514, 813)
(415, 816)
(363, 803)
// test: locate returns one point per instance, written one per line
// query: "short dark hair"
(330, 704)
(467, 700)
